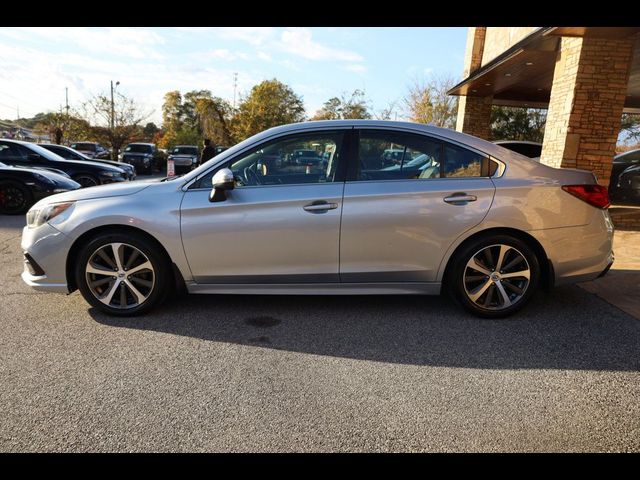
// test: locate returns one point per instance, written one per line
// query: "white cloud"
(264, 56)
(118, 41)
(221, 54)
(299, 41)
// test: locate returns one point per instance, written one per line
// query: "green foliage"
(354, 107)
(269, 104)
(197, 115)
(631, 126)
(515, 123)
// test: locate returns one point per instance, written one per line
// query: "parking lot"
(251, 373)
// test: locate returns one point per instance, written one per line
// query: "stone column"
(585, 108)
(474, 113)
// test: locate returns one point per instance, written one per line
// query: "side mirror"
(34, 157)
(222, 181)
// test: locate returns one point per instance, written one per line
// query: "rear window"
(185, 151)
(84, 146)
(135, 148)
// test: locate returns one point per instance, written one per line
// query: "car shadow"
(566, 329)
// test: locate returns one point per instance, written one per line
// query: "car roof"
(176, 146)
(141, 143)
(620, 155)
(521, 142)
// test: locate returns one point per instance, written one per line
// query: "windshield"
(83, 146)
(43, 152)
(134, 148)
(185, 151)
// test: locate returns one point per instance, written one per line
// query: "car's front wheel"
(123, 274)
(14, 198)
(494, 277)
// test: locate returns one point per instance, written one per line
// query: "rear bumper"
(581, 253)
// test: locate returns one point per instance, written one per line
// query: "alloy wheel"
(86, 181)
(496, 277)
(11, 198)
(120, 275)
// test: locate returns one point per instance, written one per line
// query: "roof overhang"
(522, 75)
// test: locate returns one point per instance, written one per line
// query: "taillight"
(595, 195)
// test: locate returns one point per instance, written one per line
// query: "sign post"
(171, 169)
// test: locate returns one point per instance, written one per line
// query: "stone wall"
(585, 108)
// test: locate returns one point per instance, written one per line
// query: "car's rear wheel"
(86, 180)
(123, 274)
(495, 276)
(14, 198)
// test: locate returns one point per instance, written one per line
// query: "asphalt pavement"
(312, 373)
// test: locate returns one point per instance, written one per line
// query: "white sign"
(171, 169)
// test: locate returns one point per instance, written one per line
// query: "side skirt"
(422, 288)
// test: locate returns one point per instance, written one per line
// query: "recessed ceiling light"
(474, 91)
(507, 74)
(487, 84)
(539, 89)
(528, 64)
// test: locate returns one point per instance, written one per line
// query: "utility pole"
(18, 109)
(115, 151)
(66, 95)
(235, 84)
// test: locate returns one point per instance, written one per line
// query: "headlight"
(37, 217)
(111, 174)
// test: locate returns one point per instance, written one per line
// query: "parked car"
(234, 226)
(627, 185)
(143, 156)
(87, 174)
(92, 150)
(22, 187)
(185, 157)
(622, 162)
(306, 157)
(533, 150)
(69, 153)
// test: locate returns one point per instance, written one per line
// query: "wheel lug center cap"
(495, 276)
(121, 274)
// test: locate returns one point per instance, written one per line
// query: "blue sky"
(37, 63)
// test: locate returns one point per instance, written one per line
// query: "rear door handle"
(320, 207)
(460, 198)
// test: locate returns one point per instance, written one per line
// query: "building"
(585, 76)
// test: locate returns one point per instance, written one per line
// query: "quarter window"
(460, 162)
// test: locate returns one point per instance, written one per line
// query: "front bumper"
(47, 246)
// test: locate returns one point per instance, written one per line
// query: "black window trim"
(347, 147)
(354, 164)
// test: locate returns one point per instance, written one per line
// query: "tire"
(491, 294)
(15, 198)
(86, 180)
(144, 289)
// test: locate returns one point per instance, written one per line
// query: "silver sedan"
(446, 211)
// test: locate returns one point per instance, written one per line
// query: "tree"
(269, 104)
(195, 116)
(127, 117)
(149, 131)
(354, 107)
(427, 101)
(61, 126)
(516, 123)
(631, 126)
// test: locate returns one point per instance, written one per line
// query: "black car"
(87, 174)
(22, 187)
(532, 150)
(627, 185)
(92, 150)
(69, 153)
(143, 156)
(622, 162)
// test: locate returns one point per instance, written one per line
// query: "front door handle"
(460, 198)
(320, 206)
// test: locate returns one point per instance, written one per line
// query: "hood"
(100, 191)
(57, 176)
(89, 163)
